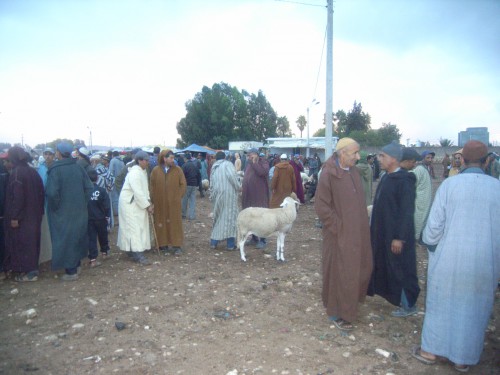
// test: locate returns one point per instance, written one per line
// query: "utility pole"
(329, 81)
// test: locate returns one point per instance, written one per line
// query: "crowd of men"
(73, 199)
(375, 253)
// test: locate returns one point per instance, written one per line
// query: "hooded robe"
(347, 256)
(24, 202)
(68, 192)
(392, 219)
(224, 189)
(282, 184)
(255, 190)
(134, 230)
(167, 189)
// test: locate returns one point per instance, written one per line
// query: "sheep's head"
(290, 201)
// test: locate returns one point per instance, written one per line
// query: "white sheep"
(205, 184)
(304, 177)
(265, 222)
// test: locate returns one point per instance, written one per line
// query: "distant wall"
(439, 151)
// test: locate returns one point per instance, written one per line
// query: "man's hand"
(397, 246)
(14, 223)
(150, 209)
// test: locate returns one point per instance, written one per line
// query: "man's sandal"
(461, 368)
(342, 324)
(416, 352)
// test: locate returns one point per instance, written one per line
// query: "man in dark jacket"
(68, 191)
(393, 235)
(193, 180)
(99, 207)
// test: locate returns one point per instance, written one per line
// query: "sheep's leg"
(281, 247)
(242, 247)
(278, 239)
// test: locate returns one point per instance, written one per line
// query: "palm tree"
(445, 142)
(301, 124)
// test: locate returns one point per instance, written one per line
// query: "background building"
(478, 134)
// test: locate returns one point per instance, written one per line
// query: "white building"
(244, 146)
(292, 146)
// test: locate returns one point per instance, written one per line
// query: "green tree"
(341, 129)
(320, 132)
(301, 124)
(357, 119)
(444, 142)
(360, 137)
(373, 138)
(424, 143)
(388, 133)
(340, 117)
(283, 127)
(221, 113)
(262, 118)
(212, 116)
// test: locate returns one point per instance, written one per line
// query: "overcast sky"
(124, 69)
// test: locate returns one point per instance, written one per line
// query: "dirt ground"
(207, 312)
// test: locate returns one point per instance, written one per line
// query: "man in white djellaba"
(464, 263)
(134, 208)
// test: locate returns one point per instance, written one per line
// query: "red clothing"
(24, 203)
(297, 168)
(255, 190)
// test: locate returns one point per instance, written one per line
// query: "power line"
(320, 62)
(298, 2)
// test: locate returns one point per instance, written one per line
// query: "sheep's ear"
(284, 204)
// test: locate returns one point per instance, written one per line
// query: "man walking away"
(193, 180)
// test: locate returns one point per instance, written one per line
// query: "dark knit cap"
(220, 155)
(410, 154)
(393, 149)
